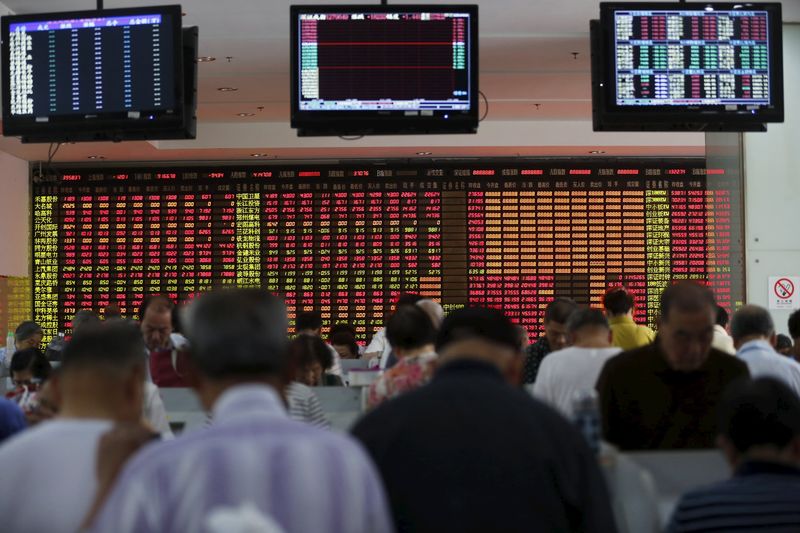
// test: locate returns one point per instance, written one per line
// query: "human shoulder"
(726, 362)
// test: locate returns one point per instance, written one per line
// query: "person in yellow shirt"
(625, 333)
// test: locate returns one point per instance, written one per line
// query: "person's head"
(84, 317)
(759, 419)
(722, 316)
(112, 311)
(29, 368)
(102, 373)
(783, 345)
(344, 327)
(406, 298)
(555, 322)
(410, 330)
(752, 322)
(588, 328)
(481, 334)
(155, 316)
(309, 322)
(794, 325)
(686, 325)
(345, 345)
(618, 302)
(309, 358)
(28, 335)
(433, 309)
(236, 336)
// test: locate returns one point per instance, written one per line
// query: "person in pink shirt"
(411, 334)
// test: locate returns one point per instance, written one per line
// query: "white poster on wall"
(783, 292)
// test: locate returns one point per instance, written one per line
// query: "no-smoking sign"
(782, 292)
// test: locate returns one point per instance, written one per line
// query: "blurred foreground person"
(472, 452)
(784, 345)
(664, 395)
(49, 475)
(300, 477)
(759, 433)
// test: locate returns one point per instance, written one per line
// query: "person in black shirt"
(555, 336)
(664, 395)
(471, 452)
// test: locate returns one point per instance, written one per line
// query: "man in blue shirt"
(759, 425)
(12, 419)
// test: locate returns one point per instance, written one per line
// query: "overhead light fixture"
(709, 8)
(424, 153)
(95, 157)
(597, 151)
(227, 89)
(259, 155)
(206, 59)
(245, 114)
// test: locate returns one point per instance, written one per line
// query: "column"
(679, 231)
(305, 252)
(657, 236)
(137, 253)
(493, 220)
(597, 245)
(358, 261)
(430, 244)
(323, 261)
(512, 295)
(120, 253)
(102, 263)
(476, 241)
(86, 248)
(289, 251)
(271, 245)
(187, 245)
(634, 258)
(204, 244)
(169, 247)
(379, 299)
(529, 254)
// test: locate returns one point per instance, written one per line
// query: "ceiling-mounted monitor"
(687, 67)
(114, 74)
(378, 69)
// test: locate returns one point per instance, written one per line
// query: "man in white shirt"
(573, 370)
(722, 341)
(304, 478)
(754, 336)
(49, 474)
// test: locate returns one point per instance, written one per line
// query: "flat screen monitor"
(700, 66)
(363, 69)
(113, 74)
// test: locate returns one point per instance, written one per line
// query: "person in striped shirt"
(253, 459)
(759, 423)
(303, 403)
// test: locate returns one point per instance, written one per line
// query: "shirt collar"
(250, 400)
(758, 344)
(620, 319)
(750, 468)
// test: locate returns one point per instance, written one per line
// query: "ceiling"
(534, 70)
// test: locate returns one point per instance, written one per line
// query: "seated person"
(759, 433)
(664, 396)
(412, 334)
(27, 335)
(345, 344)
(29, 370)
(313, 359)
(625, 333)
(166, 349)
(302, 373)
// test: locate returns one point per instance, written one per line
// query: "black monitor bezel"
(702, 116)
(380, 122)
(101, 126)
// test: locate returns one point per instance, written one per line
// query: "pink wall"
(14, 216)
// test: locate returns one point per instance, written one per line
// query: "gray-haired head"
(83, 318)
(586, 318)
(434, 311)
(26, 330)
(751, 321)
(112, 347)
(237, 333)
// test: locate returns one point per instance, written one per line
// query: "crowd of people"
(469, 427)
